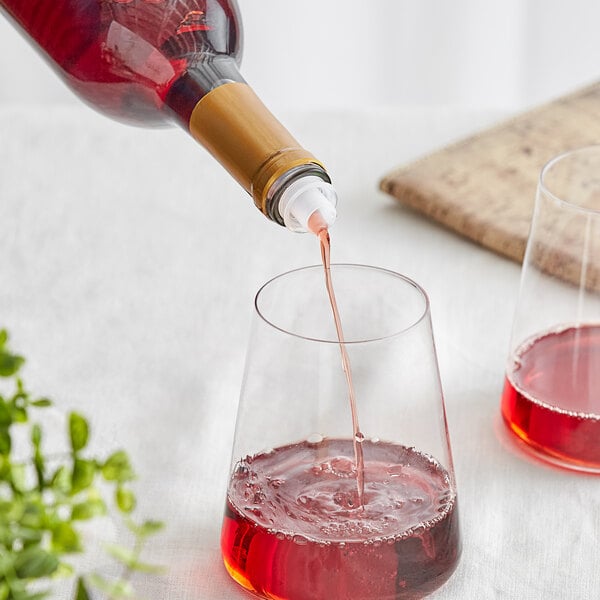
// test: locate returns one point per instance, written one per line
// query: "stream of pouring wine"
(319, 228)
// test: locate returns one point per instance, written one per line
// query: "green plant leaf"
(5, 416)
(40, 469)
(61, 480)
(81, 592)
(118, 468)
(17, 589)
(125, 499)
(145, 529)
(18, 476)
(32, 514)
(9, 363)
(78, 431)
(11, 511)
(34, 562)
(27, 535)
(7, 560)
(42, 402)
(143, 567)
(18, 413)
(3, 337)
(4, 467)
(65, 538)
(36, 435)
(65, 570)
(27, 596)
(129, 559)
(125, 556)
(83, 475)
(116, 590)
(5, 441)
(88, 510)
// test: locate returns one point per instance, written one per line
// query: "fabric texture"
(129, 265)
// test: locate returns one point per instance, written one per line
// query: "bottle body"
(127, 58)
(158, 62)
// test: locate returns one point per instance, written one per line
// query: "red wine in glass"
(294, 527)
(551, 398)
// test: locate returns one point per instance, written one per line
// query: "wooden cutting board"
(484, 186)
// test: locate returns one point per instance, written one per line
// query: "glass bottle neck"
(223, 113)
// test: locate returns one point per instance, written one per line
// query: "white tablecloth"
(129, 265)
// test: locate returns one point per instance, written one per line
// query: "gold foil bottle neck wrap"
(234, 125)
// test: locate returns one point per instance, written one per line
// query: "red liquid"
(551, 396)
(142, 61)
(317, 225)
(294, 529)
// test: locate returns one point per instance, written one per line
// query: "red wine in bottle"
(156, 62)
(135, 60)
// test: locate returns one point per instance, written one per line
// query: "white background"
(338, 54)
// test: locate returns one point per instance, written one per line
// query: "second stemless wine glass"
(551, 396)
(297, 524)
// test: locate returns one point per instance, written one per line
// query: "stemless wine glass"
(314, 512)
(551, 397)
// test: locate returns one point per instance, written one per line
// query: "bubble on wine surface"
(339, 466)
(346, 499)
(300, 539)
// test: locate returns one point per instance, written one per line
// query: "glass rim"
(407, 280)
(552, 163)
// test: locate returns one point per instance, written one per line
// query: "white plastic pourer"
(304, 197)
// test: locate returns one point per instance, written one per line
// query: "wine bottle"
(158, 62)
